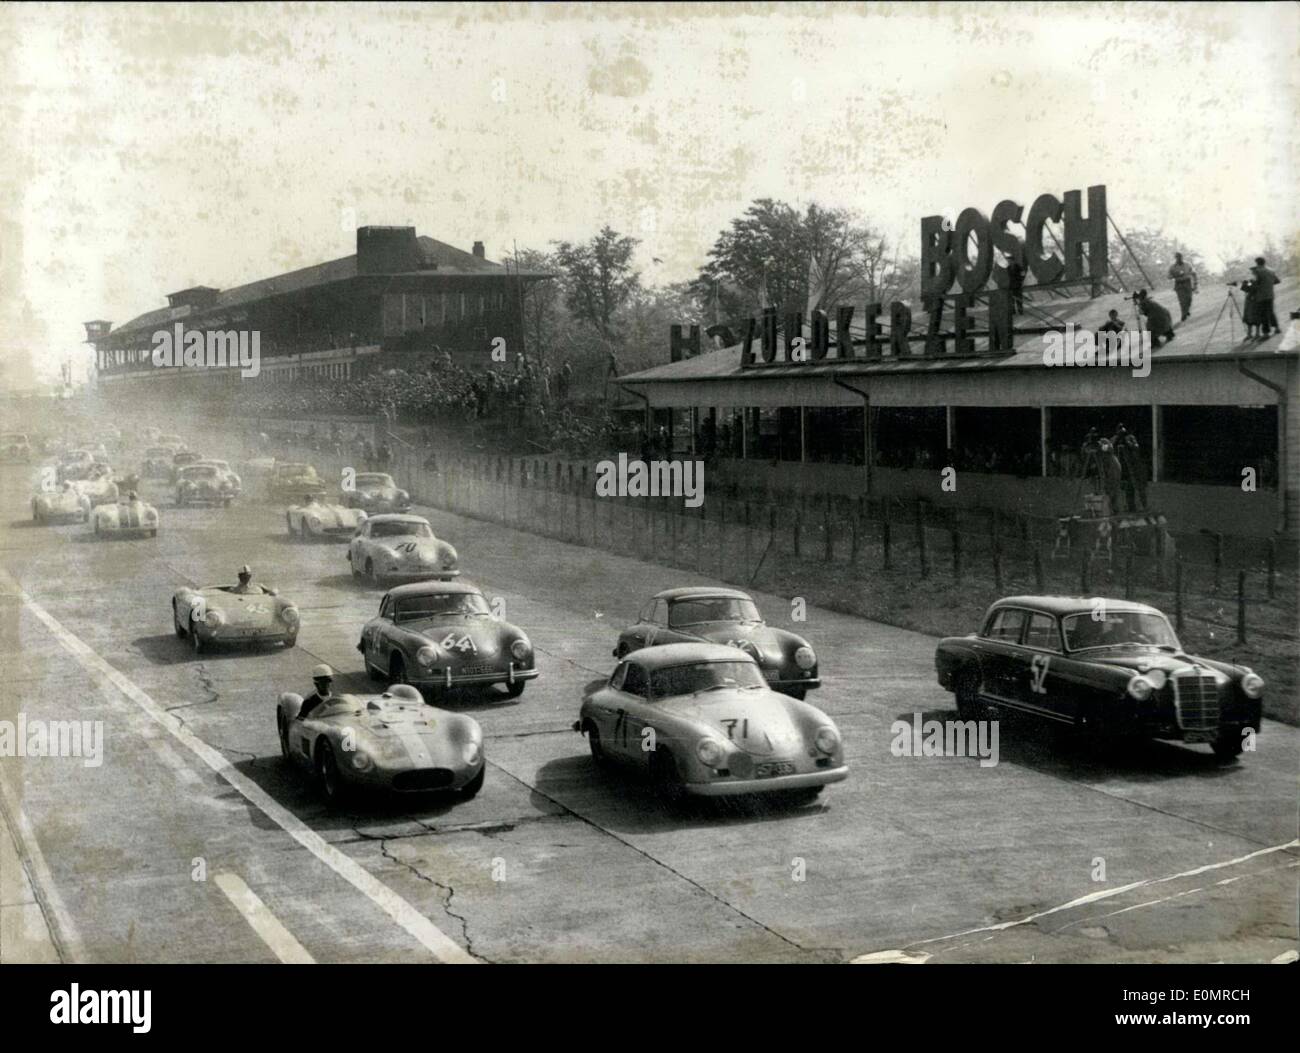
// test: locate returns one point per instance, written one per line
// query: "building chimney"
(478, 250)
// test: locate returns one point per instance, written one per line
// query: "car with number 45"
(699, 718)
(440, 635)
(1112, 668)
(725, 616)
(222, 614)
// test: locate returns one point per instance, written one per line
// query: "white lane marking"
(1092, 897)
(262, 921)
(433, 939)
(66, 939)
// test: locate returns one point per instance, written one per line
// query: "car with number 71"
(1112, 668)
(441, 635)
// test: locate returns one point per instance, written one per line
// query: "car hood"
(1144, 660)
(484, 632)
(244, 610)
(377, 493)
(69, 499)
(763, 639)
(405, 734)
(330, 515)
(773, 726)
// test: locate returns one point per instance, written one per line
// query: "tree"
(598, 278)
(1155, 252)
(1283, 261)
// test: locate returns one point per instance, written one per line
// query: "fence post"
(1128, 576)
(956, 556)
(885, 539)
(829, 552)
(1241, 606)
(853, 541)
(997, 569)
(672, 527)
(1178, 593)
(749, 555)
(1272, 568)
(1038, 570)
(798, 528)
(1085, 573)
(1218, 561)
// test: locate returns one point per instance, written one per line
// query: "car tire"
(288, 523)
(176, 623)
(806, 794)
(397, 670)
(516, 689)
(797, 693)
(372, 672)
(291, 641)
(196, 641)
(621, 651)
(225, 503)
(665, 779)
(282, 727)
(153, 533)
(471, 788)
(1228, 746)
(966, 689)
(370, 571)
(598, 755)
(98, 533)
(353, 564)
(329, 780)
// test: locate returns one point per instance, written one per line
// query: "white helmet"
(322, 672)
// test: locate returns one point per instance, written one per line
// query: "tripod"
(1231, 298)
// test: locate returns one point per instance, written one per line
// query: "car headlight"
(214, 619)
(710, 753)
(361, 761)
(1140, 688)
(1252, 685)
(426, 655)
(290, 615)
(519, 650)
(827, 739)
(151, 517)
(402, 495)
(804, 657)
(448, 558)
(472, 753)
(313, 521)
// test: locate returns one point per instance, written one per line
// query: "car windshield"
(703, 676)
(219, 465)
(1117, 629)
(711, 609)
(374, 479)
(401, 529)
(294, 469)
(436, 605)
(199, 472)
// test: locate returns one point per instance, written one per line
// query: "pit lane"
(932, 858)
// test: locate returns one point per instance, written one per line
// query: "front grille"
(1196, 701)
(424, 779)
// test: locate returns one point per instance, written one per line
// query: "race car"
(157, 463)
(226, 472)
(98, 486)
(376, 492)
(65, 504)
(15, 447)
(316, 518)
(128, 515)
(443, 635)
(182, 459)
(1107, 667)
(203, 484)
(392, 741)
(725, 616)
(97, 450)
(220, 614)
(698, 718)
(75, 464)
(292, 481)
(400, 548)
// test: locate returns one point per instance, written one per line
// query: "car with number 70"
(1111, 668)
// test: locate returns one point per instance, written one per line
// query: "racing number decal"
(406, 546)
(620, 727)
(463, 644)
(730, 725)
(1038, 667)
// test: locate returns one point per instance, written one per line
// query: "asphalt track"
(192, 841)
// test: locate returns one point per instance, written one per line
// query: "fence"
(839, 539)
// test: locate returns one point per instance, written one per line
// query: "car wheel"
(471, 788)
(283, 728)
(195, 641)
(291, 641)
(664, 777)
(153, 533)
(370, 571)
(225, 503)
(289, 526)
(98, 533)
(598, 754)
(180, 501)
(516, 689)
(397, 670)
(36, 513)
(620, 652)
(353, 564)
(372, 672)
(797, 693)
(176, 623)
(806, 795)
(1228, 745)
(967, 690)
(328, 777)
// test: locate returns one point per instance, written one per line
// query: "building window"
(464, 305)
(998, 440)
(910, 437)
(774, 433)
(1210, 445)
(835, 434)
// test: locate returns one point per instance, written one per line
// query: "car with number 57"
(700, 719)
(440, 635)
(1110, 668)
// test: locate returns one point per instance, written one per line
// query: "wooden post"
(1085, 573)
(1241, 606)
(829, 547)
(885, 539)
(1128, 576)
(997, 569)
(798, 528)
(749, 544)
(921, 554)
(1038, 570)
(1272, 568)
(1218, 561)
(853, 541)
(956, 556)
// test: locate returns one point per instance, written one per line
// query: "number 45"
(1038, 667)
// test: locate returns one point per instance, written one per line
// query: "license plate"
(771, 674)
(771, 768)
(474, 670)
(245, 632)
(1199, 736)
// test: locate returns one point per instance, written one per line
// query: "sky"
(144, 149)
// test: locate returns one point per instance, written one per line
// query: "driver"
(246, 584)
(321, 677)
